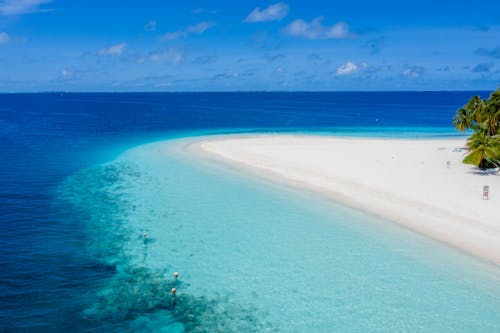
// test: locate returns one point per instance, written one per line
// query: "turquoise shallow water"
(70, 259)
(255, 257)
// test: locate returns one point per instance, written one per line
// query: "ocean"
(83, 176)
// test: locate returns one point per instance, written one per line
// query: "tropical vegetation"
(482, 116)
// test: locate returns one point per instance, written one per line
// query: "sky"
(300, 45)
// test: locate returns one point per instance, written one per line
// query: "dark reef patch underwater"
(135, 297)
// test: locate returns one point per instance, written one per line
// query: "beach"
(419, 184)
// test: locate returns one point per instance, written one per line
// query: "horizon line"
(231, 91)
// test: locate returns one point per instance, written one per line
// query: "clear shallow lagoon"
(252, 256)
(259, 258)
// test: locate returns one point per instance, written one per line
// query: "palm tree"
(492, 121)
(484, 150)
(472, 113)
(483, 117)
(476, 107)
(462, 119)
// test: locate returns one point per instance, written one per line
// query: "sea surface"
(84, 176)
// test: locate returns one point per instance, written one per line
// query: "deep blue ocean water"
(48, 275)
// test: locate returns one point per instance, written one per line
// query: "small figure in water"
(176, 275)
(144, 235)
(174, 291)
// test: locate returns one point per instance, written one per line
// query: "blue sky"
(108, 45)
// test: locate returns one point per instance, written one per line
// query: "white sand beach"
(405, 181)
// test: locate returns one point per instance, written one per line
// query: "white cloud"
(280, 71)
(226, 76)
(316, 30)
(150, 26)
(114, 50)
(171, 55)
(274, 12)
(200, 27)
(413, 72)
(67, 75)
(347, 68)
(19, 7)
(4, 37)
(192, 29)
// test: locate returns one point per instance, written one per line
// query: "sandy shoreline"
(405, 181)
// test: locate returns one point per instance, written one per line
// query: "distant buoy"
(176, 275)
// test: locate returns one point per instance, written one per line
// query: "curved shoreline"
(406, 181)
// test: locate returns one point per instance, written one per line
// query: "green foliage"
(468, 160)
(484, 150)
(483, 117)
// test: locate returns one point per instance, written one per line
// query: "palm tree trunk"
(483, 164)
